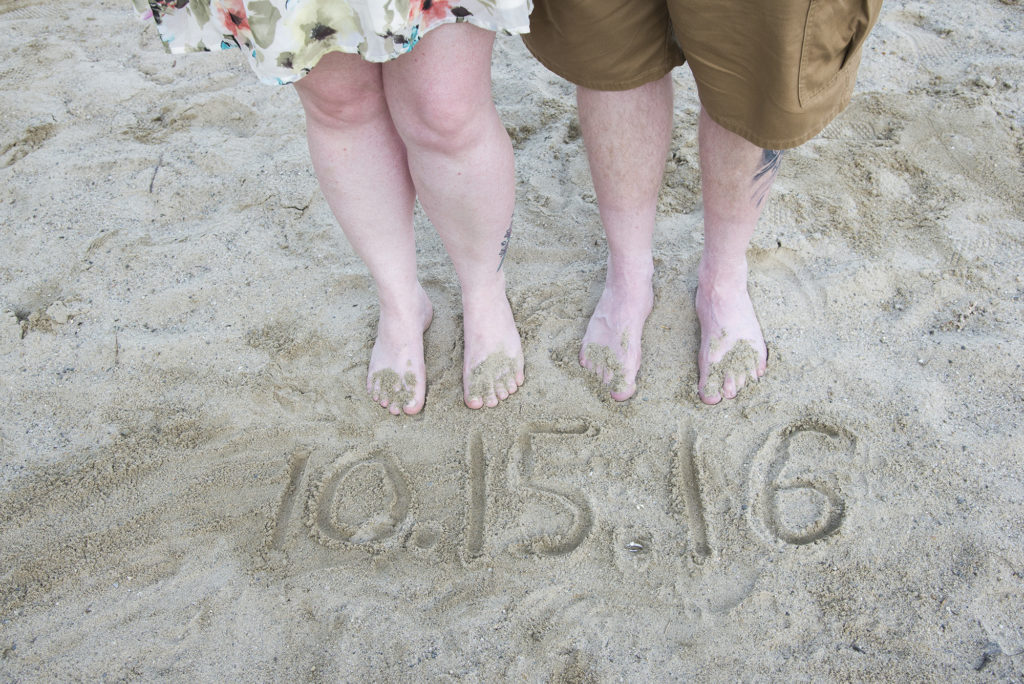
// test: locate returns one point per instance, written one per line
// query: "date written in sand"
(514, 504)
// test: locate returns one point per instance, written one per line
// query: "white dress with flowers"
(286, 38)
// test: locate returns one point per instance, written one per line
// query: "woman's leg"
(360, 162)
(461, 162)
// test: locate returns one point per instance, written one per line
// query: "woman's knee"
(342, 90)
(440, 93)
(442, 118)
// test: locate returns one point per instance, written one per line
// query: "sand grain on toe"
(395, 389)
(738, 362)
(492, 370)
(602, 358)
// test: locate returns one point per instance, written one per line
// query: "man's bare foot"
(732, 349)
(397, 379)
(493, 358)
(611, 345)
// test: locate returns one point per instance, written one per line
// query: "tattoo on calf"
(504, 248)
(765, 175)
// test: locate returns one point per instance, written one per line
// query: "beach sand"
(195, 486)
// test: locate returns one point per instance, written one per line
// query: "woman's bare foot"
(493, 357)
(397, 378)
(732, 348)
(611, 345)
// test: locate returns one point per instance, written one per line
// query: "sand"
(194, 485)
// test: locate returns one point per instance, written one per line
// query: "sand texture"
(194, 485)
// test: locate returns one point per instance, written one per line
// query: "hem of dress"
(295, 76)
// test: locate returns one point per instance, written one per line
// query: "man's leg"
(627, 136)
(736, 177)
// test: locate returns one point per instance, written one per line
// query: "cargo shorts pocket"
(833, 35)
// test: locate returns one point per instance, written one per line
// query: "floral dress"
(284, 39)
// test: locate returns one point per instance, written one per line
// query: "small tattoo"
(504, 247)
(765, 175)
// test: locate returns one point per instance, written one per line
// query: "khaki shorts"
(773, 71)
